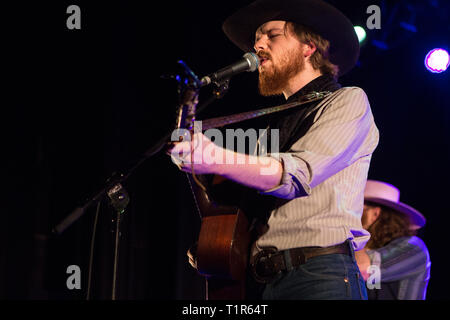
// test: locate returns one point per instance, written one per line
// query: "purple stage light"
(437, 60)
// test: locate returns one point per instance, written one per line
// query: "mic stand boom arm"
(113, 187)
(118, 196)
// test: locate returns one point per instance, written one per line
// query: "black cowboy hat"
(320, 17)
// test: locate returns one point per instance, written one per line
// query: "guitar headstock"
(187, 108)
(188, 91)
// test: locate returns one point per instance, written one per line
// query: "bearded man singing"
(308, 207)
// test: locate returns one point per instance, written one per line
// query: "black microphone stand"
(117, 195)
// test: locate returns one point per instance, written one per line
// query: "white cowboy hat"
(386, 194)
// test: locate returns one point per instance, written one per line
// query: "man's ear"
(309, 49)
(376, 213)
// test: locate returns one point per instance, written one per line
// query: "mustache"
(263, 55)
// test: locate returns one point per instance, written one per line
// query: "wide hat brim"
(320, 17)
(416, 218)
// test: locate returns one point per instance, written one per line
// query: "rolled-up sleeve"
(342, 132)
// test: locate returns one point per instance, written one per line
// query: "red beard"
(275, 75)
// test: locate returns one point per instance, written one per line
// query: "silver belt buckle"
(262, 261)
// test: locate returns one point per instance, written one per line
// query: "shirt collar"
(324, 82)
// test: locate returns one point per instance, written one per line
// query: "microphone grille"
(253, 61)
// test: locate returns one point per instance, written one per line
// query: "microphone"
(249, 62)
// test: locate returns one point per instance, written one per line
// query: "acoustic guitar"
(223, 242)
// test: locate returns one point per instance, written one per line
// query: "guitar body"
(222, 255)
(223, 247)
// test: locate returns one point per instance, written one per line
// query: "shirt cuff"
(292, 185)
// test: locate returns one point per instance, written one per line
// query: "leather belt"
(269, 262)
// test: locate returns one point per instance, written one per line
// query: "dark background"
(82, 104)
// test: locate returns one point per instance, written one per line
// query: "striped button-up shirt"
(324, 175)
(404, 270)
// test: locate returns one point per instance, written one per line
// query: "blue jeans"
(327, 277)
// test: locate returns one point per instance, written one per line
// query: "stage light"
(361, 33)
(437, 60)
